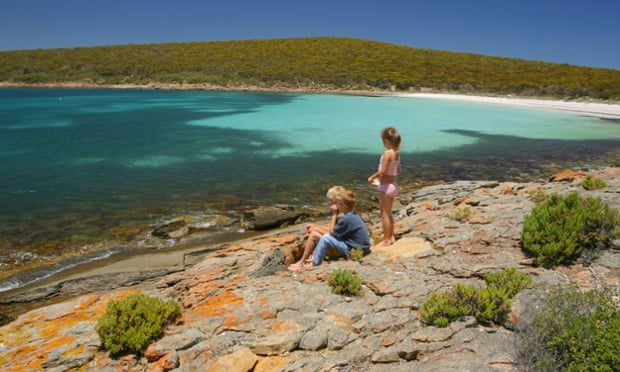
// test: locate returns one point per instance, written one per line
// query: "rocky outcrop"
(244, 312)
(271, 217)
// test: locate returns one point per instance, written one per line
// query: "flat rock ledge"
(243, 311)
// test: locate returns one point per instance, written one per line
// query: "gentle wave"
(27, 278)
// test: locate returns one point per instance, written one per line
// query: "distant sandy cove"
(601, 110)
(596, 109)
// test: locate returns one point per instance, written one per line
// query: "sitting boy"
(314, 231)
(346, 231)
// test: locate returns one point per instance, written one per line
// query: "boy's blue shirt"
(351, 229)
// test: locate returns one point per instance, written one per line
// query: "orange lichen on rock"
(508, 190)
(286, 325)
(212, 306)
(231, 322)
(281, 239)
(20, 359)
(266, 314)
(567, 175)
(272, 363)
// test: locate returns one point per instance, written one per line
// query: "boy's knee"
(333, 252)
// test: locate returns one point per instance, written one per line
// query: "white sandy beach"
(596, 109)
(602, 110)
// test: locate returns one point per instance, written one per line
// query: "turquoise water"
(78, 166)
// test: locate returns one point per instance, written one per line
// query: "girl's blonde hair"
(392, 135)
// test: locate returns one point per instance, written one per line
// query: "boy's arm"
(333, 220)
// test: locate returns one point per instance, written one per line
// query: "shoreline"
(597, 109)
(143, 270)
(602, 110)
(174, 259)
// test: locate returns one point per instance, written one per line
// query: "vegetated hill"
(307, 63)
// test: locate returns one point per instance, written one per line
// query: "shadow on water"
(502, 157)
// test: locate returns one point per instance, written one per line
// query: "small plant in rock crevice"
(537, 196)
(460, 215)
(345, 282)
(593, 183)
(357, 254)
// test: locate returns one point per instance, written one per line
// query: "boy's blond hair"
(334, 192)
(348, 198)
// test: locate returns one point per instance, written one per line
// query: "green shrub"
(511, 280)
(460, 215)
(573, 331)
(489, 304)
(357, 254)
(559, 229)
(495, 300)
(344, 281)
(130, 324)
(537, 196)
(440, 308)
(593, 183)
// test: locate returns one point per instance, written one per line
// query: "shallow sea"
(86, 172)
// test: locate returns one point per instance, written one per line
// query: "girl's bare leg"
(385, 205)
(390, 202)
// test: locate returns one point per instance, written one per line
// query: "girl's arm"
(388, 155)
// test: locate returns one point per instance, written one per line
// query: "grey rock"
(272, 217)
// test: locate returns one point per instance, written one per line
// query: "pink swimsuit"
(390, 189)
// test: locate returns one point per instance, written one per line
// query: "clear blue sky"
(584, 32)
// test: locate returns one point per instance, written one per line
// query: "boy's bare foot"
(296, 266)
(308, 265)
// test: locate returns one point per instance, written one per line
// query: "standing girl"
(386, 180)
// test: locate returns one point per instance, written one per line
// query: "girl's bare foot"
(387, 242)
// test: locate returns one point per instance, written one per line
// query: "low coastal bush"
(440, 308)
(129, 325)
(489, 304)
(460, 215)
(573, 331)
(537, 196)
(564, 228)
(510, 281)
(357, 254)
(345, 282)
(593, 183)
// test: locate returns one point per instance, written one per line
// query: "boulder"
(272, 217)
